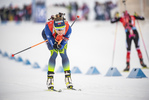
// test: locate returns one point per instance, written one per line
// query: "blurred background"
(40, 10)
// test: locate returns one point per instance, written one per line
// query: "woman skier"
(128, 22)
(57, 31)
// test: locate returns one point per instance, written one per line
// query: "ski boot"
(68, 80)
(50, 82)
(127, 67)
(142, 63)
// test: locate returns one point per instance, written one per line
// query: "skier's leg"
(137, 45)
(65, 60)
(128, 46)
(50, 80)
(68, 79)
(66, 67)
(128, 60)
(51, 64)
(51, 67)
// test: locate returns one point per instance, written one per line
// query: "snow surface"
(91, 44)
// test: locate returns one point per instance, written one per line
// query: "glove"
(56, 45)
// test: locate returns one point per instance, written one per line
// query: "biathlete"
(57, 31)
(128, 22)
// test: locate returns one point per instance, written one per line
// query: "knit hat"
(59, 24)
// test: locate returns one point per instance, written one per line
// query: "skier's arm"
(115, 20)
(66, 38)
(139, 17)
(49, 35)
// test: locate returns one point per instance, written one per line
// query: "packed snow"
(91, 44)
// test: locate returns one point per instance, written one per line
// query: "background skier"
(128, 22)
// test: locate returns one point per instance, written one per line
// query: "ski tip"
(54, 90)
(59, 90)
(73, 89)
(79, 90)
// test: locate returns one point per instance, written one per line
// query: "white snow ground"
(91, 44)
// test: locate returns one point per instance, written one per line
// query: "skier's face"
(60, 31)
(126, 15)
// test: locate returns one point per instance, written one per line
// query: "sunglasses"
(60, 29)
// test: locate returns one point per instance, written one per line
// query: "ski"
(54, 90)
(145, 68)
(125, 71)
(60, 90)
(73, 89)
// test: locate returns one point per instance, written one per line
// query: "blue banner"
(39, 11)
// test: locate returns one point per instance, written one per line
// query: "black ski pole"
(114, 44)
(124, 2)
(143, 41)
(74, 20)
